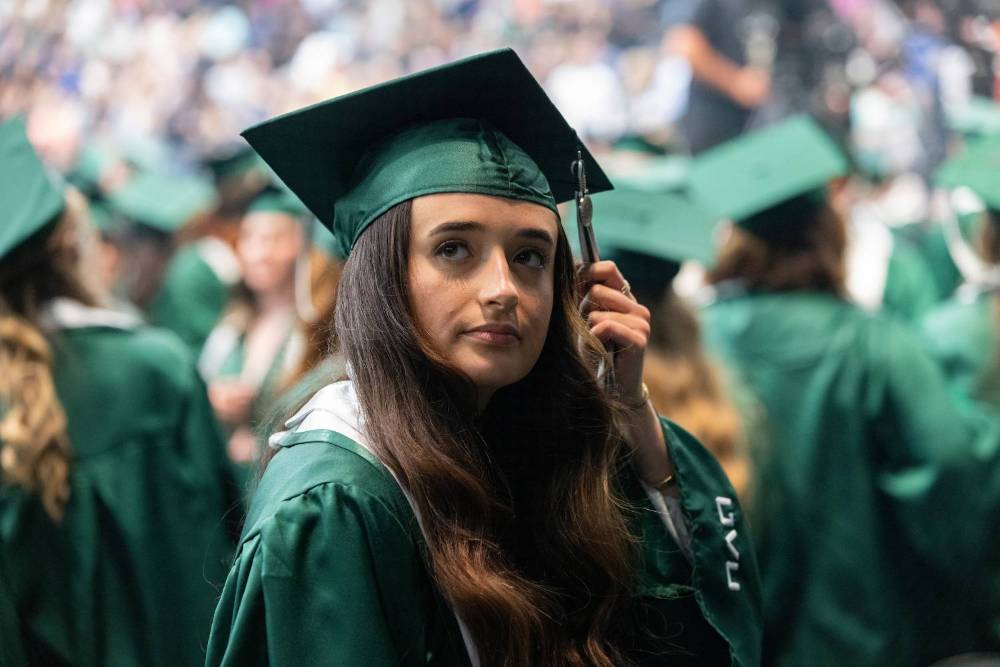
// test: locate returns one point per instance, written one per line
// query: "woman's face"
(481, 283)
(269, 244)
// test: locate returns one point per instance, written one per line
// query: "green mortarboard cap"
(30, 194)
(636, 143)
(162, 201)
(663, 225)
(661, 173)
(649, 235)
(276, 198)
(748, 175)
(976, 167)
(478, 125)
(233, 160)
(981, 116)
(94, 159)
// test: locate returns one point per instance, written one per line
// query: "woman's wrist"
(639, 402)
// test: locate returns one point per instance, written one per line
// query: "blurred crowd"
(175, 81)
(139, 105)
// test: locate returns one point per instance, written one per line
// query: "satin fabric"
(329, 570)
(874, 496)
(192, 298)
(130, 576)
(962, 335)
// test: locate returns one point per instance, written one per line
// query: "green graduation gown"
(11, 651)
(962, 335)
(886, 271)
(931, 242)
(874, 499)
(195, 291)
(910, 289)
(130, 576)
(329, 569)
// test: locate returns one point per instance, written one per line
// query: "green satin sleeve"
(332, 577)
(938, 460)
(11, 651)
(722, 580)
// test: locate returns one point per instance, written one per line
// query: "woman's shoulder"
(321, 466)
(103, 342)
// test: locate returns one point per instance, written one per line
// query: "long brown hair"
(525, 523)
(689, 389)
(34, 446)
(809, 255)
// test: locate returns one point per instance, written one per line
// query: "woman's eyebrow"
(538, 234)
(457, 226)
(470, 226)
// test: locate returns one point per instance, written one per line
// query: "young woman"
(113, 480)
(871, 548)
(471, 493)
(259, 339)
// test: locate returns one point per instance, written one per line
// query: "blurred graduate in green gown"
(471, 493)
(115, 485)
(963, 333)
(152, 206)
(260, 339)
(199, 280)
(875, 497)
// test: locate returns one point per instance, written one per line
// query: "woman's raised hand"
(615, 317)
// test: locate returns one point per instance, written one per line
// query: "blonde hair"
(35, 449)
(689, 389)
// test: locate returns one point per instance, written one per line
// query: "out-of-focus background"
(176, 80)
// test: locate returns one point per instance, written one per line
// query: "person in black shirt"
(724, 88)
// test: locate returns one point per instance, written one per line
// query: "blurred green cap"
(232, 161)
(662, 225)
(479, 125)
(276, 198)
(161, 201)
(31, 194)
(976, 167)
(745, 177)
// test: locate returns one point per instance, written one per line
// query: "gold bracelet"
(641, 402)
(667, 482)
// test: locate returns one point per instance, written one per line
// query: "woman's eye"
(531, 257)
(453, 250)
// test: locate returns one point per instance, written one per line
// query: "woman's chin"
(493, 378)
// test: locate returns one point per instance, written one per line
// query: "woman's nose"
(498, 289)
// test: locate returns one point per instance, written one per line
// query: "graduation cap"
(159, 201)
(231, 161)
(479, 125)
(649, 234)
(30, 193)
(977, 167)
(654, 173)
(276, 198)
(92, 162)
(770, 180)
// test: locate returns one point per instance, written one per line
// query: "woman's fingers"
(621, 328)
(605, 272)
(602, 297)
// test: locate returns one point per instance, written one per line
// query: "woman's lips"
(501, 335)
